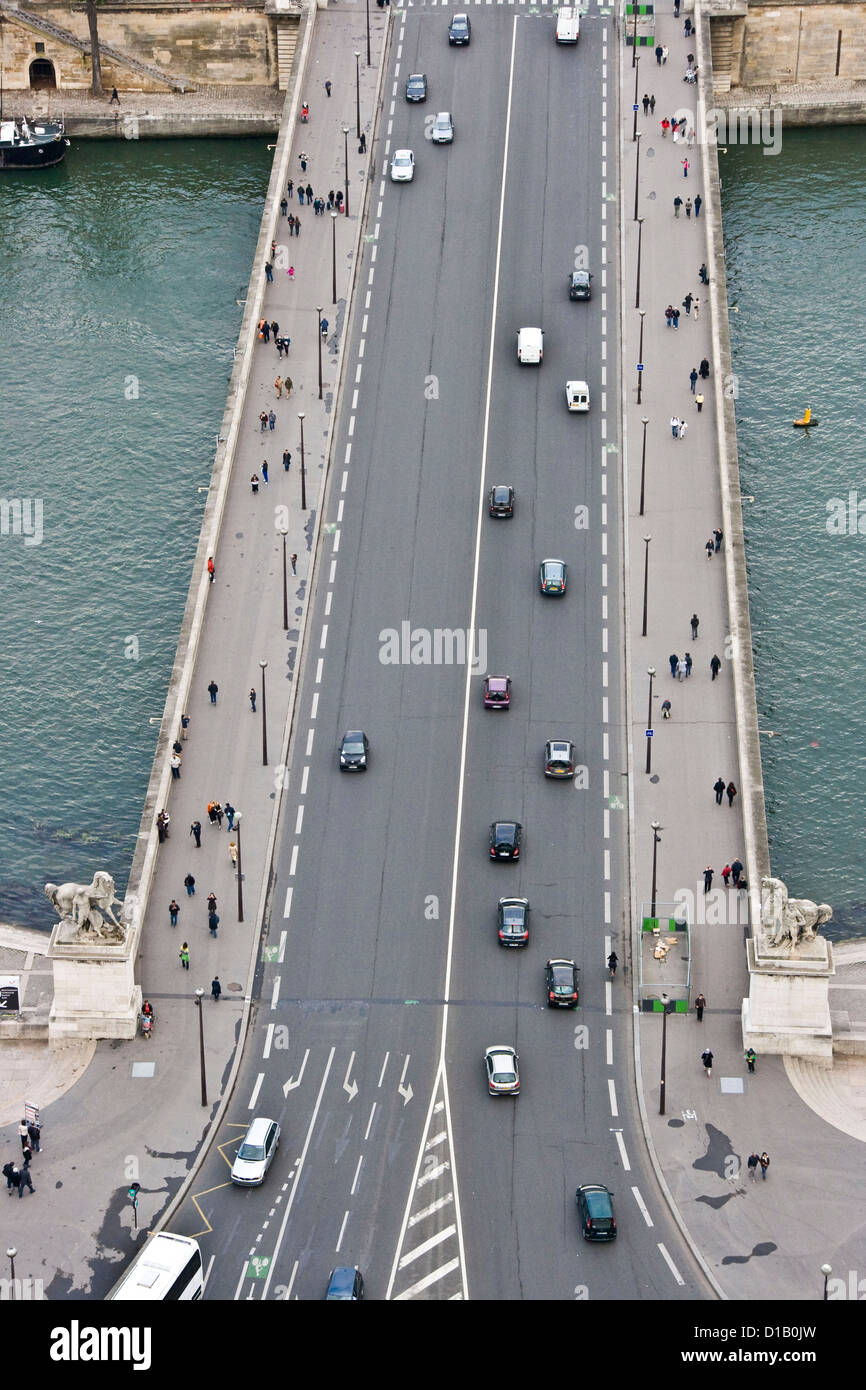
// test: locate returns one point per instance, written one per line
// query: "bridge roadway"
(393, 1156)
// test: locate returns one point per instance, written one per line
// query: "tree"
(95, 62)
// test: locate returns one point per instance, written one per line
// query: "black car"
(595, 1212)
(505, 839)
(561, 980)
(513, 921)
(354, 749)
(501, 501)
(459, 30)
(580, 285)
(416, 86)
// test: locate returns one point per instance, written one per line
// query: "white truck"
(568, 25)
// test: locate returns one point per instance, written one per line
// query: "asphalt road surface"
(387, 981)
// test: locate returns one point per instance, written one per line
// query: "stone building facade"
(778, 43)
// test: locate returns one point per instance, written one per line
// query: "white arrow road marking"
(292, 1083)
(351, 1090)
(405, 1091)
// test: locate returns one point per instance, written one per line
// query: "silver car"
(255, 1154)
(403, 166)
(443, 129)
(501, 1067)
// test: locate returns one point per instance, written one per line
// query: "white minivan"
(568, 25)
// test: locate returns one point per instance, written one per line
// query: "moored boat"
(37, 146)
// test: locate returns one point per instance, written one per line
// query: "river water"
(120, 276)
(795, 227)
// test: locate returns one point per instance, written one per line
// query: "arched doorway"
(42, 78)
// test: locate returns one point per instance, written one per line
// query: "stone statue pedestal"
(95, 994)
(788, 1008)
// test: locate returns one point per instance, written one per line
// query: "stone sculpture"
(87, 905)
(790, 922)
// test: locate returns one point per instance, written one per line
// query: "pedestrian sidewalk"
(143, 1099)
(788, 1108)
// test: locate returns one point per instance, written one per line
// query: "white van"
(577, 396)
(167, 1269)
(568, 25)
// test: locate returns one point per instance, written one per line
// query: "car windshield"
(354, 747)
(251, 1153)
(512, 916)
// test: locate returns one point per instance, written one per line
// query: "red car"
(497, 692)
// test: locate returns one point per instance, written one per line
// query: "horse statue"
(87, 905)
(791, 921)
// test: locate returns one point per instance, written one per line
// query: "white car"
(254, 1156)
(501, 1069)
(443, 129)
(403, 166)
(577, 395)
(530, 346)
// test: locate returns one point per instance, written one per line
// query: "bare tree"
(95, 61)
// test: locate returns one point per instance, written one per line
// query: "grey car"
(443, 129)
(416, 86)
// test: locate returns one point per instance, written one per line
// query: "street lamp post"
(666, 1009)
(650, 670)
(358, 92)
(646, 541)
(637, 173)
(368, 33)
(642, 313)
(346, 151)
(644, 421)
(264, 666)
(303, 466)
(333, 258)
(655, 829)
(826, 1270)
(12, 1252)
(199, 995)
(284, 531)
(634, 37)
(636, 66)
(240, 869)
(640, 223)
(319, 336)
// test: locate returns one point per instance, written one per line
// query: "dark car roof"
(342, 1284)
(505, 829)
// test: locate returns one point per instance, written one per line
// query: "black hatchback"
(595, 1212)
(580, 285)
(501, 500)
(505, 839)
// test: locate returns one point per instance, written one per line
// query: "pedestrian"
(685, 164)
(676, 318)
(688, 661)
(708, 879)
(294, 561)
(173, 910)
(211, 902)
(269, 272)
(684, 425)
(174, 764)
(687, 27)
(666, 709)
(659, 52)
(676, 9)
(673, 659)
(284, 206)
(163, 821)
(689, 208)
(652, 104)
(272, 420)
(230, 816)
(705, 279)
(675, 426)
(254, 484)
(646, 103)
(697, 307)
(184, 726)
(665, 52)
(764, 1161)
(189, 885)
(287, 382)
(278, 386)
(291, 224)
(324, 328)
(212, 691)
(753, 1163)
(25, 1180)
(736, 872)
(216, 988)
(719, 789)
(160, 829)
(751, 1058)
(699, 401)
(681, 670)
(263, 420)
(704, 369)
(710, 548)
(252, 700)
(211, 569)
(265, 471)
(301, 190)
(27, 1153)
(669, 316)
(687, 302)
(707, 1059)
(287, 460)
(330, 199)
(718, 537)
(213, 922)
(22, 1132)
(233, 852)
(309, 191)
(700, 1005)
(184, 956)
(290, 187)
(695, 623)
(10, 1173)
(731, 791)
(726, 875)
(338, 199)
(34, 1129)
(698, 204)
(693, 377)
